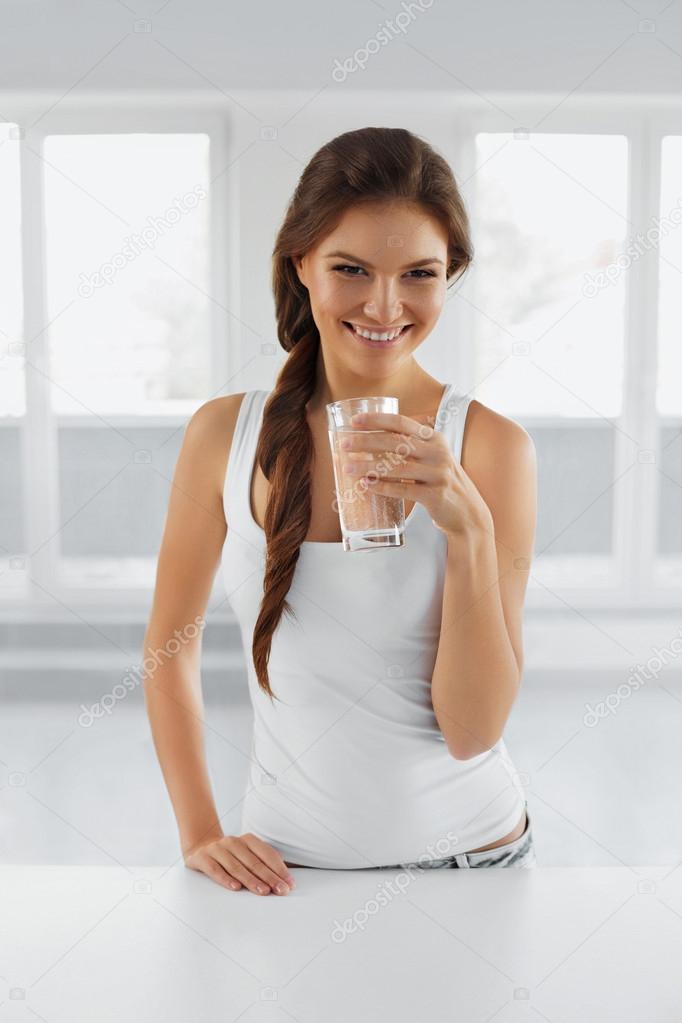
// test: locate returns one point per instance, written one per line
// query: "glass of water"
(369, 521)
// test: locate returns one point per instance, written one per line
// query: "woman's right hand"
(236, 861)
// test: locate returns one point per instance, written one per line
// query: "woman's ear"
(298, 266)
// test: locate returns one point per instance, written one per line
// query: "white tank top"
(349, 768)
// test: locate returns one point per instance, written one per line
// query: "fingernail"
(260, 889)
(281, 889)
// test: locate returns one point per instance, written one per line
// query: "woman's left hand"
(409, 459)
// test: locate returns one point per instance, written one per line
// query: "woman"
(380, 742)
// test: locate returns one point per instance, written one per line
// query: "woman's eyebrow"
(355, 259)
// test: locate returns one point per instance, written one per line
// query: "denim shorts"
(519, 853)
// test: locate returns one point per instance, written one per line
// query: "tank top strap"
(242, 455)
(452, 418)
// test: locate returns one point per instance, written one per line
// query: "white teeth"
(372, 336)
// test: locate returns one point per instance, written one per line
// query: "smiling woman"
(376, 233)
(380, 739)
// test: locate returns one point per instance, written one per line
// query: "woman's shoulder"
(486, 429)
(213, 422)
(209, 434)
(493, 442)
(212, 416)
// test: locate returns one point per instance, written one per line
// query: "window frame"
(631, 580)
(39, 428)
(643, 120)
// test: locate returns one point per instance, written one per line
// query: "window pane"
(127, 221)
(575, 503)
(549, 216)
(670, 491)
(669, 394)
(12, 396)
(114, 488)
(12, 386)
(669, 390)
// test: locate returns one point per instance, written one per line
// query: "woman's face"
(376, 283)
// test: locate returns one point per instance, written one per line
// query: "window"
(127, 272)
(114, 254)
(669, 378)
(12, 386)
(550, 218)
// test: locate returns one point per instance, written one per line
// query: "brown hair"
(367, 165)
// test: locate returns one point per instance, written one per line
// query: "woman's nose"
(384, 307)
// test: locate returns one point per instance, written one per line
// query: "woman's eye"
(426, 273)
(342, 268)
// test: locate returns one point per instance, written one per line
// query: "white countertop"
(100, 944)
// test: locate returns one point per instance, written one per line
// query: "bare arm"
(479, 663)
(194, 533)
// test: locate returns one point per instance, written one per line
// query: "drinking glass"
(369, 521)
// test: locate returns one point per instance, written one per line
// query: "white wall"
(534, 45)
